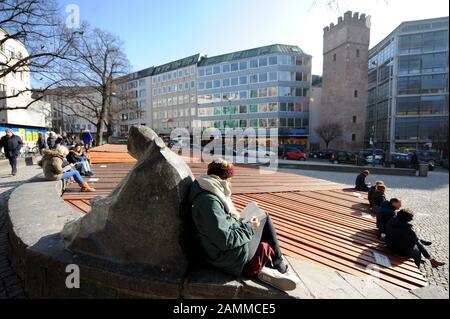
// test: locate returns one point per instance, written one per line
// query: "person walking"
(12, 144)
(41, 143)
(415, 161)
(87, 139)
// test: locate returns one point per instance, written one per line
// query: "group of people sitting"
(394, 222)
(63, 164)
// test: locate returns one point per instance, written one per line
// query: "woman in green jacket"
(233, 246)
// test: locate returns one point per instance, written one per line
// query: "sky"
(160, 31)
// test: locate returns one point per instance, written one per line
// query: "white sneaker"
(284, 282)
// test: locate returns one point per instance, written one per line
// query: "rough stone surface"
(140, 222)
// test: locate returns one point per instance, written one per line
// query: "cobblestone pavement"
(427, 197)
(10, 285)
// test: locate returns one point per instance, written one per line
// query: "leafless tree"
(329, 131)
(38, 26)
(97, 59)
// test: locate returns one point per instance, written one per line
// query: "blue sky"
(157, 32)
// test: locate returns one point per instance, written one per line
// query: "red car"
(295, 154)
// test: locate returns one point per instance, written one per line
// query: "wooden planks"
(317, 221)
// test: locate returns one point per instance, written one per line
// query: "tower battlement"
(349, 18)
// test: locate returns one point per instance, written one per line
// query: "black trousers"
(13, 163)
(418, 251)
(266, 233)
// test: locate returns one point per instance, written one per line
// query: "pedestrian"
(11, 144)
(385, 212)
(54, 169)
(360, 183)
(41, 143)
(414, 161)
(235, 247)
(87, 139)
(402, 239)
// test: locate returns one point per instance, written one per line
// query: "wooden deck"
(317, 221)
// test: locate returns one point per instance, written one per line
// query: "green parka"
(223, 238)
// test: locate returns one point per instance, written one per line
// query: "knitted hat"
(221, 168)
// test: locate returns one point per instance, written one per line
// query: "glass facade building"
(266, 88)
(408, 88)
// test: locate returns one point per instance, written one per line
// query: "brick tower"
(345, 70)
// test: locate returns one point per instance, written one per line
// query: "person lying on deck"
(235, 247)
(54, 169)
(401, 239)
(81, 162)
(360, 183)
(385, 212)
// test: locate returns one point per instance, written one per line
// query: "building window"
(334, 57)
(355, 94)
(357, 53)
(353, 137)
(354, 119)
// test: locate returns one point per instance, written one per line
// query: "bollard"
(423, 169)
(29, 161)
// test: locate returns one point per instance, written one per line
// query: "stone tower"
(345, 70)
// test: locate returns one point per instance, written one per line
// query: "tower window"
(355, 94)
(354, 119)
(357, 53)
(353, 137)
(334, 57)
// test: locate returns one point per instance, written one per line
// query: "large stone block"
(140, 222)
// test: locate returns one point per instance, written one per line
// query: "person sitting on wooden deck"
(360, 183)
(81, 162)
(385, 212)
(401, 239)
(372, 190)
(378, 197)
(53, 165)
(235, 247)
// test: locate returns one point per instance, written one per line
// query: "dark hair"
(381, 188)
(394, 200)
(221, 168)
(405, 214)
(366, 172)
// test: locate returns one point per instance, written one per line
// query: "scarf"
(220, 188)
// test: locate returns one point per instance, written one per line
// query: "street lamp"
(372, 140)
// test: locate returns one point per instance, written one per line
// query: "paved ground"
(10, 286)
(428, 197)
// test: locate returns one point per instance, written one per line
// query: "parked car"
(430, 157)
(344, 157)
(403, 160)
(282, 148)
(294, 154)
(368, 155)
(324, 154)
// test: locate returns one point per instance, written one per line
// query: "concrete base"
(41, 260)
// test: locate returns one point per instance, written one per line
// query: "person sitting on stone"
(233, 246)
(53, 165)
(360, 183)
(402, 239)
(378, 197)
(385, 212)
(372, 191)
(77, 157)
